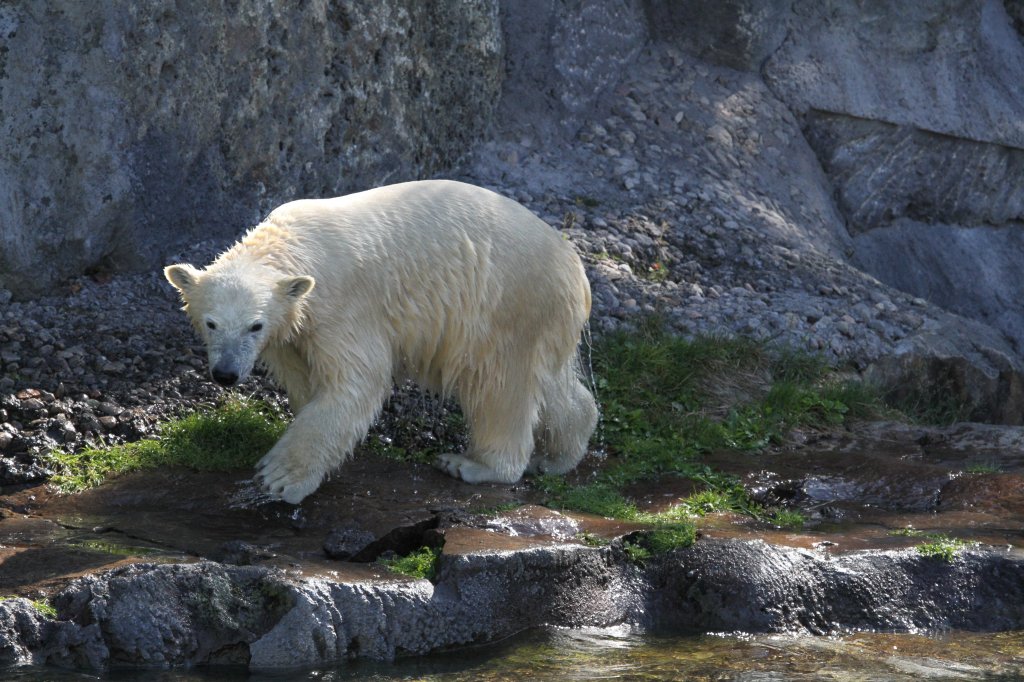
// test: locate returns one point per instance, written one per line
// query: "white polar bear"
(460, 289)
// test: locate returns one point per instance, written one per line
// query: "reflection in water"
(621, 654)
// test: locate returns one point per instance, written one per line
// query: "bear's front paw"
(280, 478)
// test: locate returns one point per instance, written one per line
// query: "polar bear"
(454, 286)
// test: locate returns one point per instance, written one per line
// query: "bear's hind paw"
(463, 468)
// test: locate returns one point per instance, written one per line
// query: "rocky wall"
(129, 126)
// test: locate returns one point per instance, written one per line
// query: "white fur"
(454, 286)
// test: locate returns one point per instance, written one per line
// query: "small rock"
(110, 409)
(344, 543)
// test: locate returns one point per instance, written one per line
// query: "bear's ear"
(183, 277)
(295, 287)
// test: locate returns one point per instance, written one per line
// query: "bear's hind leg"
(501, 438)
(567, 421)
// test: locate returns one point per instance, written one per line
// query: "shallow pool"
(622, 654)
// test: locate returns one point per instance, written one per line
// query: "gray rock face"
(740, 34)
(951, 66)
(207, 613)
(561, 57)
(909, 107)
(936, 216)
(884, 173)
(757, 587)
(129, 126)
(970, 271)
(20, 631)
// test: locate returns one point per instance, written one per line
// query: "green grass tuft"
(788, 519)
(941, 547)
(662, 539)
(45, 608)
(232, 435)
(591, 540)
(984, 468)
(41, 605)
(636, 552)
(420, 564)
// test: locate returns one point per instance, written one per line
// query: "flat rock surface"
(173, 567)
(855, 488)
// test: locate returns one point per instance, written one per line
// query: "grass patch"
(636, 552)
(983, 468)
(941, 547)
(664, 538)
(936, 397)
(601, 498)
(788, 519)
(938, 545)
(40, 605)
(666, 401)
(591, 540)
(45, 608)
(231, 435)
(419, 564)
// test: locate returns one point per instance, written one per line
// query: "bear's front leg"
(321, 437)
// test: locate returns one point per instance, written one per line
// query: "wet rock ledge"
(187, 614)
(172, 567)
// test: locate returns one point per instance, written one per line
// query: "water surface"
(622, 654)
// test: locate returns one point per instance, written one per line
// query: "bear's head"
(239, 308)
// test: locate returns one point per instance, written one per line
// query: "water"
(622, 654)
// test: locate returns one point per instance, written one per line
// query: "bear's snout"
(224, 377)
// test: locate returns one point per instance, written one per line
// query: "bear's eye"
(256, 326)
(210, 324)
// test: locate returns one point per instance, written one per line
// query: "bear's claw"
(277, 478)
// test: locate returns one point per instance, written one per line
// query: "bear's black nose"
(224, 377)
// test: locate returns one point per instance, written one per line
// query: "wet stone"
(241, 553)
(344, 543)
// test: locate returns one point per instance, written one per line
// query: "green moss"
(668, 537)
(419, 564)
(232, 435)
(600, 498)
(941, 547)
